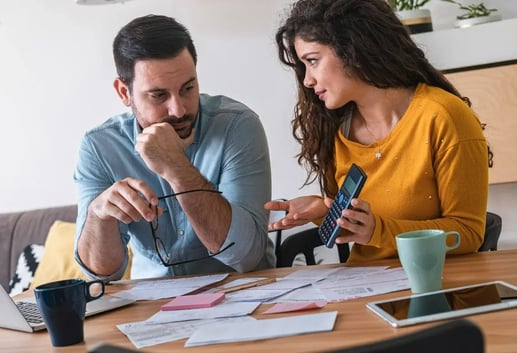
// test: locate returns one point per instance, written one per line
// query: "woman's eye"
(312, 61)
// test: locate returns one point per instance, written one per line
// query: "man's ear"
(122, 91)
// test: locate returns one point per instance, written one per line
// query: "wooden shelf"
(494, 98)
(481, 61)
(461, 48)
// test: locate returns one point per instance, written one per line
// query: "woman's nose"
(308, 80)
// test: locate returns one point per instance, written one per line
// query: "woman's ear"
(122, 91)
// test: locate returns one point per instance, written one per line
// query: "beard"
(183, 126)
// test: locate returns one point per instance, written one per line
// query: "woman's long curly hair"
(372, 43)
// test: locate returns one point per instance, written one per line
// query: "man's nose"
(176, 107)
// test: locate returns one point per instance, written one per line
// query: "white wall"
(56, 72)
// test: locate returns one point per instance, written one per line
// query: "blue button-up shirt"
(230, 150)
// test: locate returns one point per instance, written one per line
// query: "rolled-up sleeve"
(245, 181)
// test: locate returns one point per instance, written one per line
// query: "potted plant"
(411, 14)
(474, 14)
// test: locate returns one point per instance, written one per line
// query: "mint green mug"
(422, 255)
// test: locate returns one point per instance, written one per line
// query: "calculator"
(352, 185)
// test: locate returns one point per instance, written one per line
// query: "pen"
(248, 285)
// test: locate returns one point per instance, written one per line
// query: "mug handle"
(456, 235)
(87, 293)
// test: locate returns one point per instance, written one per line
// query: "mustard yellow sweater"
(433, 173)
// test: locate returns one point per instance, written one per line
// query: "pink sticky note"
(295, 306)
(193, 301)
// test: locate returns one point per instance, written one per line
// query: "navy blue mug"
(63, 304)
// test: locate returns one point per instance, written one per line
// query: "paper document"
(309, 293)
(313, 275)
(225, 309)
(346, 283)
(268, 291)
(142, 334)
(262, 329)
(294, 306)
(168, 288)
(340, 286)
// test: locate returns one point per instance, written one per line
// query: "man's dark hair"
(149, 37)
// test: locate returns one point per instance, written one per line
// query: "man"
(209, 152)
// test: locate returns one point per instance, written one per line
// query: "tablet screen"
(447, 303)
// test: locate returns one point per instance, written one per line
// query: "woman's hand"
(300, 210)
(357, 222)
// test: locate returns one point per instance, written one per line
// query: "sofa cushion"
(25, 269)
(58, 259)
(19, 229)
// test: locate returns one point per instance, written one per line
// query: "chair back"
(494, 224)
(458, 336)
(304, 242)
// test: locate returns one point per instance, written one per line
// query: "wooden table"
(355, 323)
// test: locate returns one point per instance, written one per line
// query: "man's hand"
(162, 149)
(127, 200)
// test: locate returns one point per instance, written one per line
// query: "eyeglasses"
(159, 246)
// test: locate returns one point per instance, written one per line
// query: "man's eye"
(187, 89)
(157, 95)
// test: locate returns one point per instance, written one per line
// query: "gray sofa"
(19, 229)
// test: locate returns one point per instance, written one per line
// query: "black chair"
(273, 217)
(304, 243)
(458, 336)
(494, 224)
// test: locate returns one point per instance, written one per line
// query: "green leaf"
(472, 11)
(403, 5)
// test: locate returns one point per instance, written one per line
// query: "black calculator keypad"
(328, 227)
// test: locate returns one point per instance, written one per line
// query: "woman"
(367, 95)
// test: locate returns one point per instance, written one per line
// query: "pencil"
(248, 285)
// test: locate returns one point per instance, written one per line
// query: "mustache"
(173, 120)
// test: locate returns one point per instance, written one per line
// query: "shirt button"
(181, 232)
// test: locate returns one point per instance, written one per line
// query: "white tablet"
(446, 303)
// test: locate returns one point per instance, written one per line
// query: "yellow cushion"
(58, 259)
